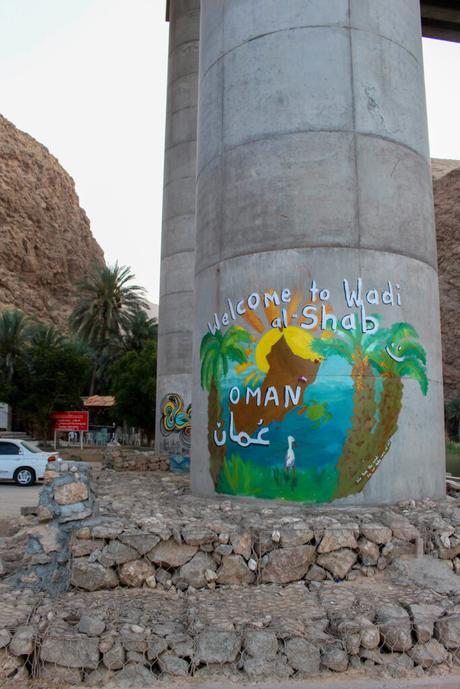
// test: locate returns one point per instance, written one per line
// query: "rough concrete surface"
(178, 235)
(313, 163)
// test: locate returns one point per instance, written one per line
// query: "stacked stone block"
(124, 459)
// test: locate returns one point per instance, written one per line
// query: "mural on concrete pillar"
(176, 419)
(303, 402)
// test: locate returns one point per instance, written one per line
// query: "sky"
(87, 78)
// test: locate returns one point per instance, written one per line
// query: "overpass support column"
(174, 379)
(317, 369)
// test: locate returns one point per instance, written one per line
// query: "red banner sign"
(70, 421)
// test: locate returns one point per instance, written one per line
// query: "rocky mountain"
(446, 188)
(46, 245)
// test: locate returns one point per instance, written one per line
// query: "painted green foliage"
(392, 353)
(377, 364)
(216, 353)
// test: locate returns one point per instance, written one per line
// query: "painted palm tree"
(354, 347)
(108, 304)
(15, 331)
(395, 356)
(216, 352)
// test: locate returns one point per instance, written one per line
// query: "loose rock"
(141, 541)
(234, 571)
(447, 630)
(92, 576)
(75, 651)
(287, 564)
(114, 659)
(23, 641)
(92, 626)
(170, 554)
(335, 659)
(302, 655)
(377, 533)
(338, 563)
(170, 664)
(216, 646)
(337, 538)
(395, 627)
(429, 654)
(135, 573)
(194, 572)
(261, 644)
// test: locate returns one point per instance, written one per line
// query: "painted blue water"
(316, 447)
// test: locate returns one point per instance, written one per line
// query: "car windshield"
(30, 447)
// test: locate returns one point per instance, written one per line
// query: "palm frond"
(333, 346)
(413, 369)
(411, 350)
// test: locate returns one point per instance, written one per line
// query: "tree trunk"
(358, 446)
(216, 454)
(389, 409)
(93, 379)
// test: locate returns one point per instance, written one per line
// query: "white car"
(23, 461)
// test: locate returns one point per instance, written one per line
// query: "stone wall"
(66, 500)
(128, 459)
(195, 555)
(116, 641)
(112, 599)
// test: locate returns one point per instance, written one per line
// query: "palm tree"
(354, 347)
(396, 355)
(106, 308)
(15, 330)
(216, 351)
(45, 337)
(142, 328)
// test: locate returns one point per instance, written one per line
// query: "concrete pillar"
(174, 379)
(313, 182)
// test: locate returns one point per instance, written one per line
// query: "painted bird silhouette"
(289, 465)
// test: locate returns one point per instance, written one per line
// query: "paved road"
(13, 497)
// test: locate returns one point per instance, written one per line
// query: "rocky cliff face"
(46, 245)
(446, 188)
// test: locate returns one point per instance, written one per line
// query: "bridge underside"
(440, 19)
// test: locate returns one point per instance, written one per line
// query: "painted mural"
(303, 403)
(176, 418)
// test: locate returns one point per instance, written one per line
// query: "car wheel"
(24, 476)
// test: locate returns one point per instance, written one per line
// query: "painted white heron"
(290, 456)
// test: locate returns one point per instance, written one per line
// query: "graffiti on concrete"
(175, 418)
(303, 403)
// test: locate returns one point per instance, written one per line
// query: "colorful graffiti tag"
(175, 418)
(302, 403)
